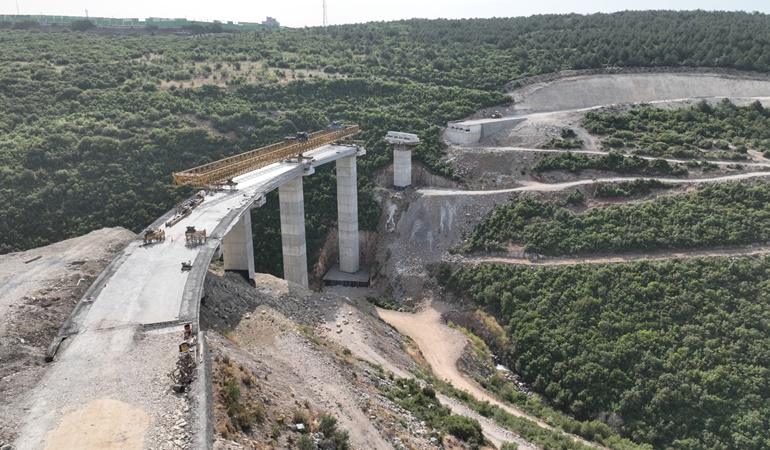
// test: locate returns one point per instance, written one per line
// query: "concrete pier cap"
(402, 156)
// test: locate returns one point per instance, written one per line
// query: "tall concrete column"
(347, 214)
(402, 166)
(292, 202)
(238, 246)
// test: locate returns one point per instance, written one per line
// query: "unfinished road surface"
(123, 338)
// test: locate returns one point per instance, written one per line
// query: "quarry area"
(296, 356)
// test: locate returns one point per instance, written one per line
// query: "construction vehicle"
(154, 235)
(187, 265)
(497, 115)
(300, 136)
(194, 237)
(229, 184)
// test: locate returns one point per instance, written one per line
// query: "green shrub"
(464, 428)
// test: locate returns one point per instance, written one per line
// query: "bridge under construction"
(218, 173)
(144, 290)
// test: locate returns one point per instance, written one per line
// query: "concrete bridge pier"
(402, 166)
(347, 214)
(402, 156)
(292, 200)
(238, 246)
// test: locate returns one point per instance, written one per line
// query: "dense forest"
(671, 353)
(94, 124)
(719, 214)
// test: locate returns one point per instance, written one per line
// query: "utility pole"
(326, 20)
(86, 14)
(17, 8)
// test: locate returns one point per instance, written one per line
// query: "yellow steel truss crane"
(218, 172)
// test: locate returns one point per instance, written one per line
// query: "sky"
(302, 13)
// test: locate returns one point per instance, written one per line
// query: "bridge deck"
(108, 358)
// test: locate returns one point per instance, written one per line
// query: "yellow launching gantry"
(219, 173)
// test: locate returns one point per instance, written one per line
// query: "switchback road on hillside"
(530, 186)
(657, 255)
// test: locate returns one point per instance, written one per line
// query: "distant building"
(271, 22)
(162, 19)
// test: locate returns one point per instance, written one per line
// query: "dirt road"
(536, 186)
(442, 347)
(753, 250)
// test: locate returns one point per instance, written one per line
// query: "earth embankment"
(587, 91)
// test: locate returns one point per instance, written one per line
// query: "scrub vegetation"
(670, 353)
(722, 131)
(732, 213)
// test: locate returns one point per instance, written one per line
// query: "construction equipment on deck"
(152, 235)
(187, 265)
(300, 136)
(195, 237)
(217, 172)
(186, 208)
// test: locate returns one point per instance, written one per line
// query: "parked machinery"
(300, 136)
(194, 237)
(184, 373)
(186, 208)
(154, 235)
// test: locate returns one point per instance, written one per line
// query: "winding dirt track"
(442, 347)
(752, 250)
(759, 160)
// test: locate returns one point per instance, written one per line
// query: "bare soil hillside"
(586, 91)
(297, 355)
